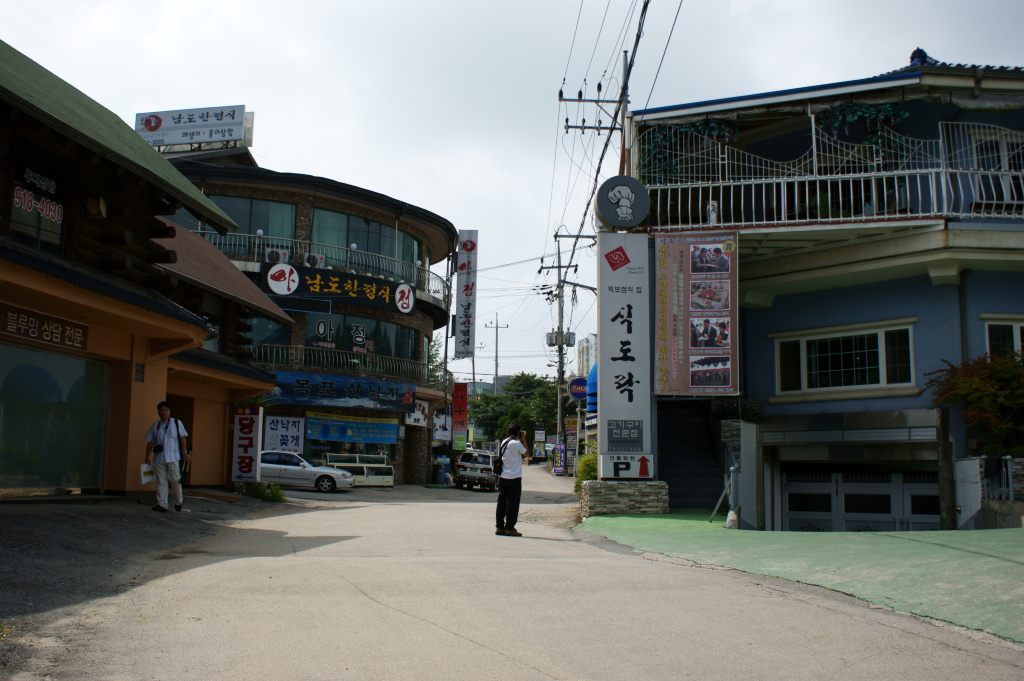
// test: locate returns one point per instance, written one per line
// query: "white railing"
(252, 248)
(971, 171)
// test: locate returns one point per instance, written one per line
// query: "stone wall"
(604, 497)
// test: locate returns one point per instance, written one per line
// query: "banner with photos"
(696, 314)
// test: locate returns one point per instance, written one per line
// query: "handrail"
(254, 248)
(298, 358)
(972, 170)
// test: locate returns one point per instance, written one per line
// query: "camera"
(157, 449)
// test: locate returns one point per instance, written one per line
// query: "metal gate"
(854, 501)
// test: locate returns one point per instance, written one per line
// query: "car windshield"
(477, 459)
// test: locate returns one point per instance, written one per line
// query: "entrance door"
(860, 501)
(968, 491)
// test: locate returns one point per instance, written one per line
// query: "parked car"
(288, 469)
(476, 467)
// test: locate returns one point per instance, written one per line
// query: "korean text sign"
(246, 444)
(465, 294)
(624, 363)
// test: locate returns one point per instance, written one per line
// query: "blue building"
(880, 229)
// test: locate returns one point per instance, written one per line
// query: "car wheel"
(458, 484)
(325, 484)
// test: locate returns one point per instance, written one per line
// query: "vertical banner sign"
(465, 294)
(624, 357)
(246, 444)
(696, 314)
(460, 423)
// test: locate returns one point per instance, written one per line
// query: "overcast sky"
(451, 105)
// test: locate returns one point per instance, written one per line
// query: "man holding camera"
(165, 448)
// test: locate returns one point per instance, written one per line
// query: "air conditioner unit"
(314, 260)
(275, 255)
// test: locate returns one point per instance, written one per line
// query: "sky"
(452, 105)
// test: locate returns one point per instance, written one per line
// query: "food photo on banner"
(695, 316)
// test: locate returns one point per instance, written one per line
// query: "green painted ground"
(971, 579)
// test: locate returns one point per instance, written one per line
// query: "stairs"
(687, 461)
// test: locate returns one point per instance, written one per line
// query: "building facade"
(880, 228)
(353, 268)
(106, 309)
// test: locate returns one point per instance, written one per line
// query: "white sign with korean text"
(192, 126)
(284, 433)
(246, 444)
(465, 294)
(624, 362)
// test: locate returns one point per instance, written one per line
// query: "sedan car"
(288, 469)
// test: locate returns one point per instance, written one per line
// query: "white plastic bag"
(147, 475)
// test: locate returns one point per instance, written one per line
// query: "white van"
(368, 470)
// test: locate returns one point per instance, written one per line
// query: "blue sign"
(328, 390)
(578, 388)
(342, 430)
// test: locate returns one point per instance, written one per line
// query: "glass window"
(276, 219)
(39, 199)
(351, 333)
(52, 414)
(1004, 338)
(330, 228)
(856, 360)
(266, 332)
(868, 503)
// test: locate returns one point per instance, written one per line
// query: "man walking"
(511, 453)
(165, 448)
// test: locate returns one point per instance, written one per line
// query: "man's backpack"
(499, 465)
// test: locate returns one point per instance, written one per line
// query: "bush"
(586, 469)
(263, 492)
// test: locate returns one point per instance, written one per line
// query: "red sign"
(460, 405)
(43, 328)
(617, 258)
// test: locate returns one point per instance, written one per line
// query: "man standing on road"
(511, 453)
(165, 447)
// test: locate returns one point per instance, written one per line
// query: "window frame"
(1016, 324)
(885, 362)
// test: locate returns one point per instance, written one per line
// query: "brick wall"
(604, 497)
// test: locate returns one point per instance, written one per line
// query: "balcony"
(971, 171)
(252, 248)
(292, 358)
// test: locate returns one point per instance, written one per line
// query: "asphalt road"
(400, 584)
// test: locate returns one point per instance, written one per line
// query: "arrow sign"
(643, 467)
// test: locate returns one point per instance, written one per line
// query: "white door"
(968, 474)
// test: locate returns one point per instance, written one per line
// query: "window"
(856, 359)
(330, 228)
(1004, 338)
(360, 334)
(276, 219)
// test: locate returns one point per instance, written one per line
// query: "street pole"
(495, 327)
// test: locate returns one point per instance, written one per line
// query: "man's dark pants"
(510, 491)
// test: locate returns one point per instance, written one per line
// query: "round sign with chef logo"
(282, 279)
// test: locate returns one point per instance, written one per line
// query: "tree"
(991, 392)
(526, 399)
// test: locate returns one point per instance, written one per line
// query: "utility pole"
(560, 334)
(495, 327)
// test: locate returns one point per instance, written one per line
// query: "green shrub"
(264, 492)
(586, 469)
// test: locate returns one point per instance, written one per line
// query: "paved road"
(399, 584)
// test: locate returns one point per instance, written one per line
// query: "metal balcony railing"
(295, 358)
(970, 171)
(252, 248)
